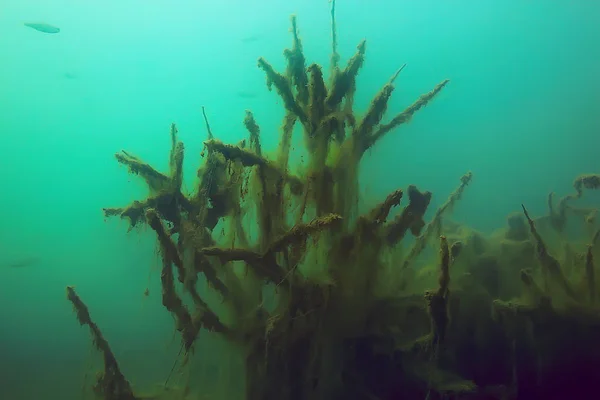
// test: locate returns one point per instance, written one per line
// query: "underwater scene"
(299, 200)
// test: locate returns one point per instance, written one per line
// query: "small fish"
(251, 39)
(42, 27)
(244, 94)
(22, 263)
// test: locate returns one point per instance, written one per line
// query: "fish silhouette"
(22, 263)
(42, 27)
(251, 39)
(245, 94)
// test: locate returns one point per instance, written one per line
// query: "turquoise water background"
(522, 112)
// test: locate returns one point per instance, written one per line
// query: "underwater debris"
(335, 57)
(437, 302)
(455, 250)
(237, 153)
(208, 130)
(411, 217)
(111, 385)
(548, 330)
(404, 116)
(532, 289)
(558, 217)
(545, 315)
(590, 275)
(435, 226)
(188, 326)
(589, 181)
(165, 190)
(380, 213)
(551, 267)
(517, 227)
(42, 27)
(264, 264)
(596, 239)
(590, 268)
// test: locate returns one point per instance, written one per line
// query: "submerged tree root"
(316, 296)
(308, 242)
